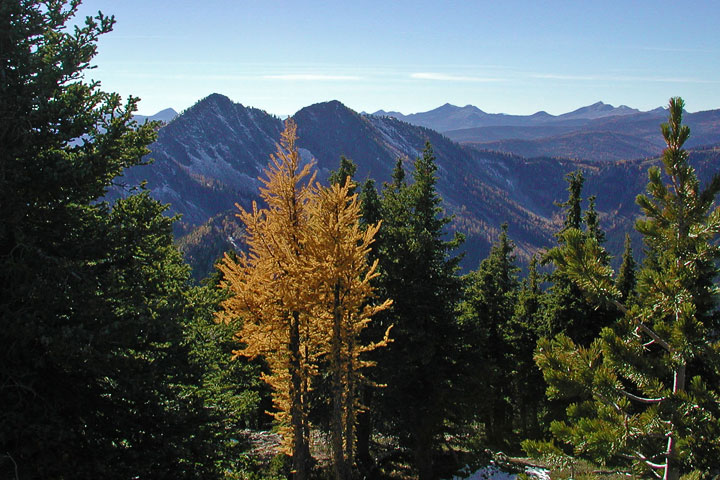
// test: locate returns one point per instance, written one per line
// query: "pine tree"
(642, 409)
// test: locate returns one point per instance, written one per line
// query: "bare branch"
(656, 338)
(641, 399)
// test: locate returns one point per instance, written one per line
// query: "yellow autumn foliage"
(302, 289)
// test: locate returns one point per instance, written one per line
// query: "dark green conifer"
(649, 384)
(489, 302)
(592, 222)
(346, 170)
(419, 274)
(573, 205)
(524, 331)
(626, 276)
(565, 307)
(95, 375)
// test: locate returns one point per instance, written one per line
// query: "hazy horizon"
(512, 57)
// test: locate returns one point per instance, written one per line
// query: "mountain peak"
(215, 98)
(323, 110)
(329, 106)
(446, 108)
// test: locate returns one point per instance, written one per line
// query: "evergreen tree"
(524, 331)
(626, 276)
(565, 307)
(370, 214)
(573, 205)
(419, 274)
(231, 389)
(94, 369)
(346, 170)
(650, 382)
(592, 222)
(370, 204)
(489, 302)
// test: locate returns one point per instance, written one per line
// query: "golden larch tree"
(339, 275)
(302, 292)
(270, 296)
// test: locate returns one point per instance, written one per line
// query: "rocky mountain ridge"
(210, 157)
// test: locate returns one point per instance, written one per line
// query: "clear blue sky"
(502, 56)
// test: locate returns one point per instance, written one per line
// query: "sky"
(503, 56)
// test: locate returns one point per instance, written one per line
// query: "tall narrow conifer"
(336, 252)
(269, 294)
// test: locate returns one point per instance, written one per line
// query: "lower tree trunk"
(362, 435)
(350, 417)
(340, 464)
(423, 457)
(300, 447)
(672, 468)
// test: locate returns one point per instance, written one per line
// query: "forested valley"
(341, 340)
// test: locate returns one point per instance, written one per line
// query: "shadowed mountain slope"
(210, 157)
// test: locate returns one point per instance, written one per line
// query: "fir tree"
(345, 171)
(649, 383)
(370, 204)
(573, 205)
(524, 331)
(592, 222)
(626, 276)
(94, 369)
(489, 302)
(565, 307)
(419, 274)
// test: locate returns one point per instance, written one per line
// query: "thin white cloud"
(444, 77)
(619, 78)
(313, 77)
(552, 76)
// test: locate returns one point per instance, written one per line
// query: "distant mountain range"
(598, 132)
(210, 157)
(450, 117)
(164, 116)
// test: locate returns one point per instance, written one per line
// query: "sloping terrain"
(210, 157)
(598, 132)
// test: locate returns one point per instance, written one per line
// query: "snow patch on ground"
(491, 472)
